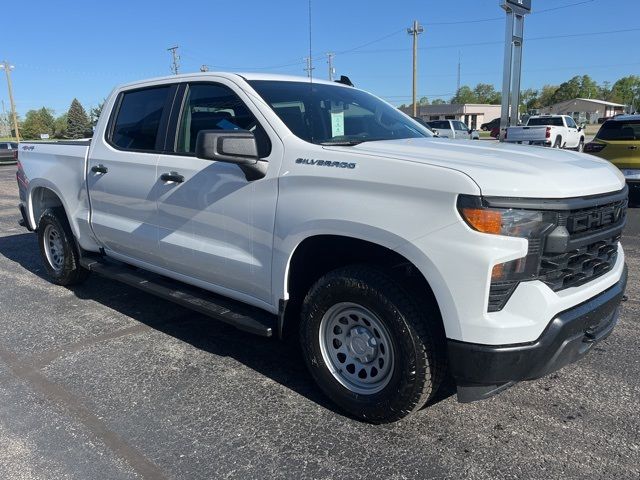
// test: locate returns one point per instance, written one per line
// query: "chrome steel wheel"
(53, 247)
(357, 348)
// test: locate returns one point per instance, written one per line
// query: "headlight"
(532, 225)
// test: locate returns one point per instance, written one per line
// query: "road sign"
(523, 4)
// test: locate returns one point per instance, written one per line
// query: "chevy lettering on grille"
(594, 219)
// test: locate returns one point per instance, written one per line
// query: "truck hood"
(501, 169)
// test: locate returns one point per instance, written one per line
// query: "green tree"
(627, 90)
(486, 93)
(529, 99)
(95, 112)
(423, 101)
(60, 126)
(438, 101)
(464, 95)
(36, 123)
(547, 95)
(78, 122)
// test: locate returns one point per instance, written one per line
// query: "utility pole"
(175, 58)
(415, 30)
(332, 70)
(309, 66)
(7, 69)
(458, 84)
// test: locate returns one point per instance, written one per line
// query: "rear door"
(215, 226)
(122, 173)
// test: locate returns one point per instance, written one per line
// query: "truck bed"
(60, 167)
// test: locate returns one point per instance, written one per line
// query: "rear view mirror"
(231, 146)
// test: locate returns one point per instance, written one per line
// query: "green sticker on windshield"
(337, 124)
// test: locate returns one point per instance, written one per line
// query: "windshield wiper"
(343, 143)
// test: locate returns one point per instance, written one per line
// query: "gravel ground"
(105, 382)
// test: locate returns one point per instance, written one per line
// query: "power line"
(499, 42)
(493, 19)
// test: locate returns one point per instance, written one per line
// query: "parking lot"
(102, 381)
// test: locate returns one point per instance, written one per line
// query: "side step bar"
(239, 315)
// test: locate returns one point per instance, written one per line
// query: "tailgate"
(526, 134)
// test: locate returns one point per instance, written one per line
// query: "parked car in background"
(489, 126)
(618, 141)
(453, 129)
(6, 151)
(557, 131)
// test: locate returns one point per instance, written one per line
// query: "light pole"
(7, 69)
(415, 30)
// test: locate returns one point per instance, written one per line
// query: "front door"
(215, 226)
(122, 174)
(573, 135)
(462, 131)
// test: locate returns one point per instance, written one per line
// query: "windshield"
(555, 121)
(335, 115)
(619, 130)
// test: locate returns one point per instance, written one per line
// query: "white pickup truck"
(284, 207)
(557, 131)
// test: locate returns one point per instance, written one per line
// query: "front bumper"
(481, 371)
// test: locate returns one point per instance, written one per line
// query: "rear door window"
(439, 124)
(620, 130)
(137, 122)
(554, 121)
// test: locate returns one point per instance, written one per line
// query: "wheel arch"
(41, 198)
(318, 254)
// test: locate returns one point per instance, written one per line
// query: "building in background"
(472, 114)
(585, 110)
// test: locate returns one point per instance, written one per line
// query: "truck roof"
(230, 75)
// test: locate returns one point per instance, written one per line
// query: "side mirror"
(232, 146)
(470, 131)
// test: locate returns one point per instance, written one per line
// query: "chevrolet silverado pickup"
(316, 211)
(557, 131)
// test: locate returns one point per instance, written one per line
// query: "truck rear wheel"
(58, 249)
(369, 345)
(557, 143)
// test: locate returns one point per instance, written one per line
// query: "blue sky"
(83, 49)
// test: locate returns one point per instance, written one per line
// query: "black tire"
(63, 266)
(557, 143)
(415, 337)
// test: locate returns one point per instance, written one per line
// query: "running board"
(237, 314)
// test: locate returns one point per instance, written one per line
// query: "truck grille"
(591, 250)
(579, 266)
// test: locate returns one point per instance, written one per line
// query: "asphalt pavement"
(104, 382)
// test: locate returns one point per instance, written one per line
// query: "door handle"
(172, 177)
(633, 147)
(99, 169)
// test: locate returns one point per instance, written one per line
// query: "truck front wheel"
(369, 345)
(58, 249)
